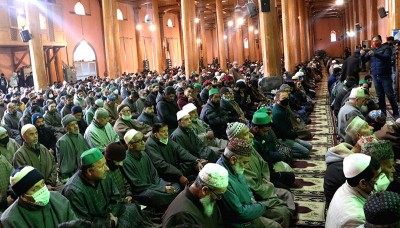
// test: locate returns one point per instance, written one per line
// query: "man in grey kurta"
(125, 122)
(8, 146)
(52, 119)
(69, 148)
(11, 119)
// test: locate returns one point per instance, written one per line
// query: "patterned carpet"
(308, 190)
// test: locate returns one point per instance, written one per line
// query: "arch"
(120, 16)
(333, 36)
(84, 52)
(169, 23)
(79, 9)
(85, 60)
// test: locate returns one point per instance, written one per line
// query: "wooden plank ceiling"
(317, 8)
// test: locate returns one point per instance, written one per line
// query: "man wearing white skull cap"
(196, 204)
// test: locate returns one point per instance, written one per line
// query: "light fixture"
(196, 20)
(256, 31)
(139, 27)
(238, 9)
(339, 2)
(351, 33)
(198, 40)
(152, 28)
(251, 28)
(225, 37)
(230, 23)
(240, 21)
(147, 19)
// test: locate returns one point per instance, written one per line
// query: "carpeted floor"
(308, 190)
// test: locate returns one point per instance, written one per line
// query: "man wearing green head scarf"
(94, 195)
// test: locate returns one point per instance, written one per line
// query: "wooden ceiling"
(317, 8)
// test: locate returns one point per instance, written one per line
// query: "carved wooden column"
(203, 38)
(221, 33)
(185, 12)
(302, 30)
(363, 19)
(288, 40)
(239, 37)
(157, 47)
(252, 46)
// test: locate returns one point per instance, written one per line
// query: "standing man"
(235, 71)
(380, 56)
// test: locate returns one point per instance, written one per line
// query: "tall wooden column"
(185, 12)
(302, 30)
(59, 66)
(195, 46)
(181, 37)
(117, 42)
(351, 25)
(203, 38)
(156, 35)
(373, 20)
(221, 33)
(289, 40)
(252, 46)
(109, 15)
(163, 41)
(270, 41)
(396, 10)
(307, 32)
(356, 20)
(239, 38)
(294, 29)
(36, 45)
(363, 19)
(230, 40)
(347, 23)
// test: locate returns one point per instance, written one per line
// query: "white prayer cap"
(129, 135)
(214, 175)
(26, 127)
(297, 75)
(182, 113)
(358, 93)
(189, 107)
(354, 164)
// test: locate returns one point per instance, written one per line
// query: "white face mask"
(382, 183)
(164, 141)
(41, 197)
(127, 117)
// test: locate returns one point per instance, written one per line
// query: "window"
(84, 60)
(42, 21)
(333, 36)
(120, 17)
(169, 23)
(79, 9)
(246, 43)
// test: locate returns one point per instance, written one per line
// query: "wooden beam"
(20, 60)
(54, 55)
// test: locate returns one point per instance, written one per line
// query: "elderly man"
(147, 116)
(172, 162)
(35, 206)
(36, 155)
(8, 146)
(11, 119)
(147, 187)
(346, 209)
(229, 105)
(111, 107)
(77, 112)
(235, 71)
(94, 195)
(52, 119)
(391, 132)
(125, 122)
(140, 101)
(99, 103)
(100, 132)
(187, 138)
(238, 206)
(214, 115)
(79, 99)
(203, 130)
(69, 148)
(167, 108)
(196, 205)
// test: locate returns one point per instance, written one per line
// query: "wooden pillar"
(307, 32)
(35, 44)
(252, 46)
(163, 41)
(181, 37)
(139, 48)
(302, 31)
(156, 35)
(363, 19)
(373, 20)
(59, 66)
(351, 25)
(289, 40)
(117, 42)
(239, 38)
(396, 10)
(203, 38)
(346, 27)
(109, 15)
(356, 20)
(294, 29)
(185, 8)
(270, 41)
(221, 33)
(195, 46)
(230, 40)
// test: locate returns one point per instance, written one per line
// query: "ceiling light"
(351, 33)
(152, 28)
(240, 21)
(339, 2)
(230, 23)
(225, 37)
(251, 28)
(196, 20)
(139, 27)
(256, 31)
(198, 40)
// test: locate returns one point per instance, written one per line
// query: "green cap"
(154, 85)
(263, 109)
(91, 156)
(261, 118)
(362, 81)
(197, 85)
(213, 91)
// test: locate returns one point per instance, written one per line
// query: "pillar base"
(269, 83)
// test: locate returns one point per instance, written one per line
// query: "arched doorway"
(85, 60)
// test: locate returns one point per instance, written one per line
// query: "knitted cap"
(240, 147)
(101, 113)
(76, 109)
(169, 90)
(121, 106)
(354, 164)
(380, 150)
(214, 175)
(375, 114)
(234, 129)
(111, 97)
(67, 119)
(99, 103)
(197, 86)
(382, 208)
(35, 117)
(115, 151)
(91, 156)
(23, 178)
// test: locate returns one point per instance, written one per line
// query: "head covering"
(381, 150)
(99, 103)
(189, 107)
(121, 106)
(129, 135)
(358, 93)
(154, 85)
(214, 175)
(2, 130)
(91, 156)
(213, 91)
(354, 164)
(382, 208)
(206, 82)
(284, 86)
(115, 151)
(366, 139)
(76, 109)
(169, 90)
(67, 119)
(354, 126)
(111, 97)
(101, 113)
(23, 178)
(297, 75)
(234, 129)
(180, 114)
(261, 118)
(197, 86)
(240, 84)
(26, 127)
(375, 114)
(240, 147)
(35, 117)
(362, 81)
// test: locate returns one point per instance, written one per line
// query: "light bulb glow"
(230, 23)
(256, 31)
(196, 20)
(139, 27)
(251, 28)
(152, 28)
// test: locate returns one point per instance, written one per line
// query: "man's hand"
(129, 199)
(200, 164)
(114, 219)
(210, 134)
(362, 52)
(183, 180)
(371, 53)
(170, 189)
(10, 200)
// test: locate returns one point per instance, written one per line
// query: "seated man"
(346, 209)
(34, 154)
(238, 206)
(99, 103)
(52, 119)
(27, 116)
(111, 107)
(147, 116)
(94, 195)
(172, 162)
(69, 148)
(146, 185)
(131, 102)
(167, 108)
(35, 206)
(125, 122)
(100, 132)
(69, 103)
(196, 205)
(77, 112)
(381, 210)
(11, 119)
(187, 138)
(8, 146)
(46, 136)
(5, 198)
(214, 115)
(391, 132)
(229, 105)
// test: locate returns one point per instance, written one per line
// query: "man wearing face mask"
(380, 57)
(229, 105)
(358, 97)
(131, 102)
(35, 205)
(346, 209)
(125, 122)
(79, 99)
(8, 146)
